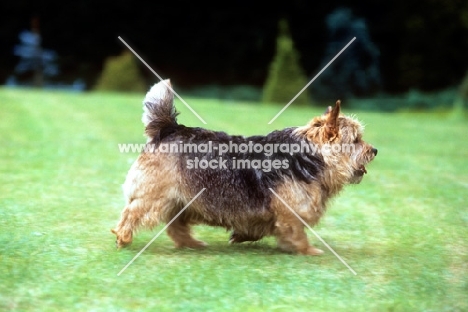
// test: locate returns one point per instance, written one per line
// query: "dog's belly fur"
(230, 201)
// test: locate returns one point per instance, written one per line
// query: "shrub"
(121, 73)
(286, 76)
(459, 104)
(463, 91)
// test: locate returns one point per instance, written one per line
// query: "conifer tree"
(121, 73)
(286, 76)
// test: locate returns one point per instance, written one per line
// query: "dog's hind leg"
(179, 231)
(138, 213)
(124, 229)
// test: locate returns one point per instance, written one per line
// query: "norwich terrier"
(244, 179)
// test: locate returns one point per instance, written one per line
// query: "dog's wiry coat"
(160, 184)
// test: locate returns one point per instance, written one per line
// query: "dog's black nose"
(374, 150)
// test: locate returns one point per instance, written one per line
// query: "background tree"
(461, 99)
(423, 44)
(121, 73)
(356, 72)
(33, 58)
(286, 76)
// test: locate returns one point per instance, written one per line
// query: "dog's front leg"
(291, 237)
(179, 232)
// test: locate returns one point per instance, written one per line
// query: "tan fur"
(151, 192)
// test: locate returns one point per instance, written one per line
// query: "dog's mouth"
(361, 171)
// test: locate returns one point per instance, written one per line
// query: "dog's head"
(338, 139)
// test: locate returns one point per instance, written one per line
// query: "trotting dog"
(245, 179)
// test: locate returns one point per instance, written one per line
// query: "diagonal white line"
(333, 59)
(315, 233)
(164, 228)
(160, 78)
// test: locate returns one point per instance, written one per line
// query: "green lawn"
(403, 229)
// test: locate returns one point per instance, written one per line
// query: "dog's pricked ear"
(336, 110)
(332, 121)
(327, 111)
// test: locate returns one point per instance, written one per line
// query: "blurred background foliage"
(286, 76)
(404, 48)
(121, 73)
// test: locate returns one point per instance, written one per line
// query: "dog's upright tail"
(159, 111)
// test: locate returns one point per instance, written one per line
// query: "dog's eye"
(356, 141)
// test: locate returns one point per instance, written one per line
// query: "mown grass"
(403, 229)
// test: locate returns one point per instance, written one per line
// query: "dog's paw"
(312, 251)
(122, 240)
(120, 244)
(235, 238)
